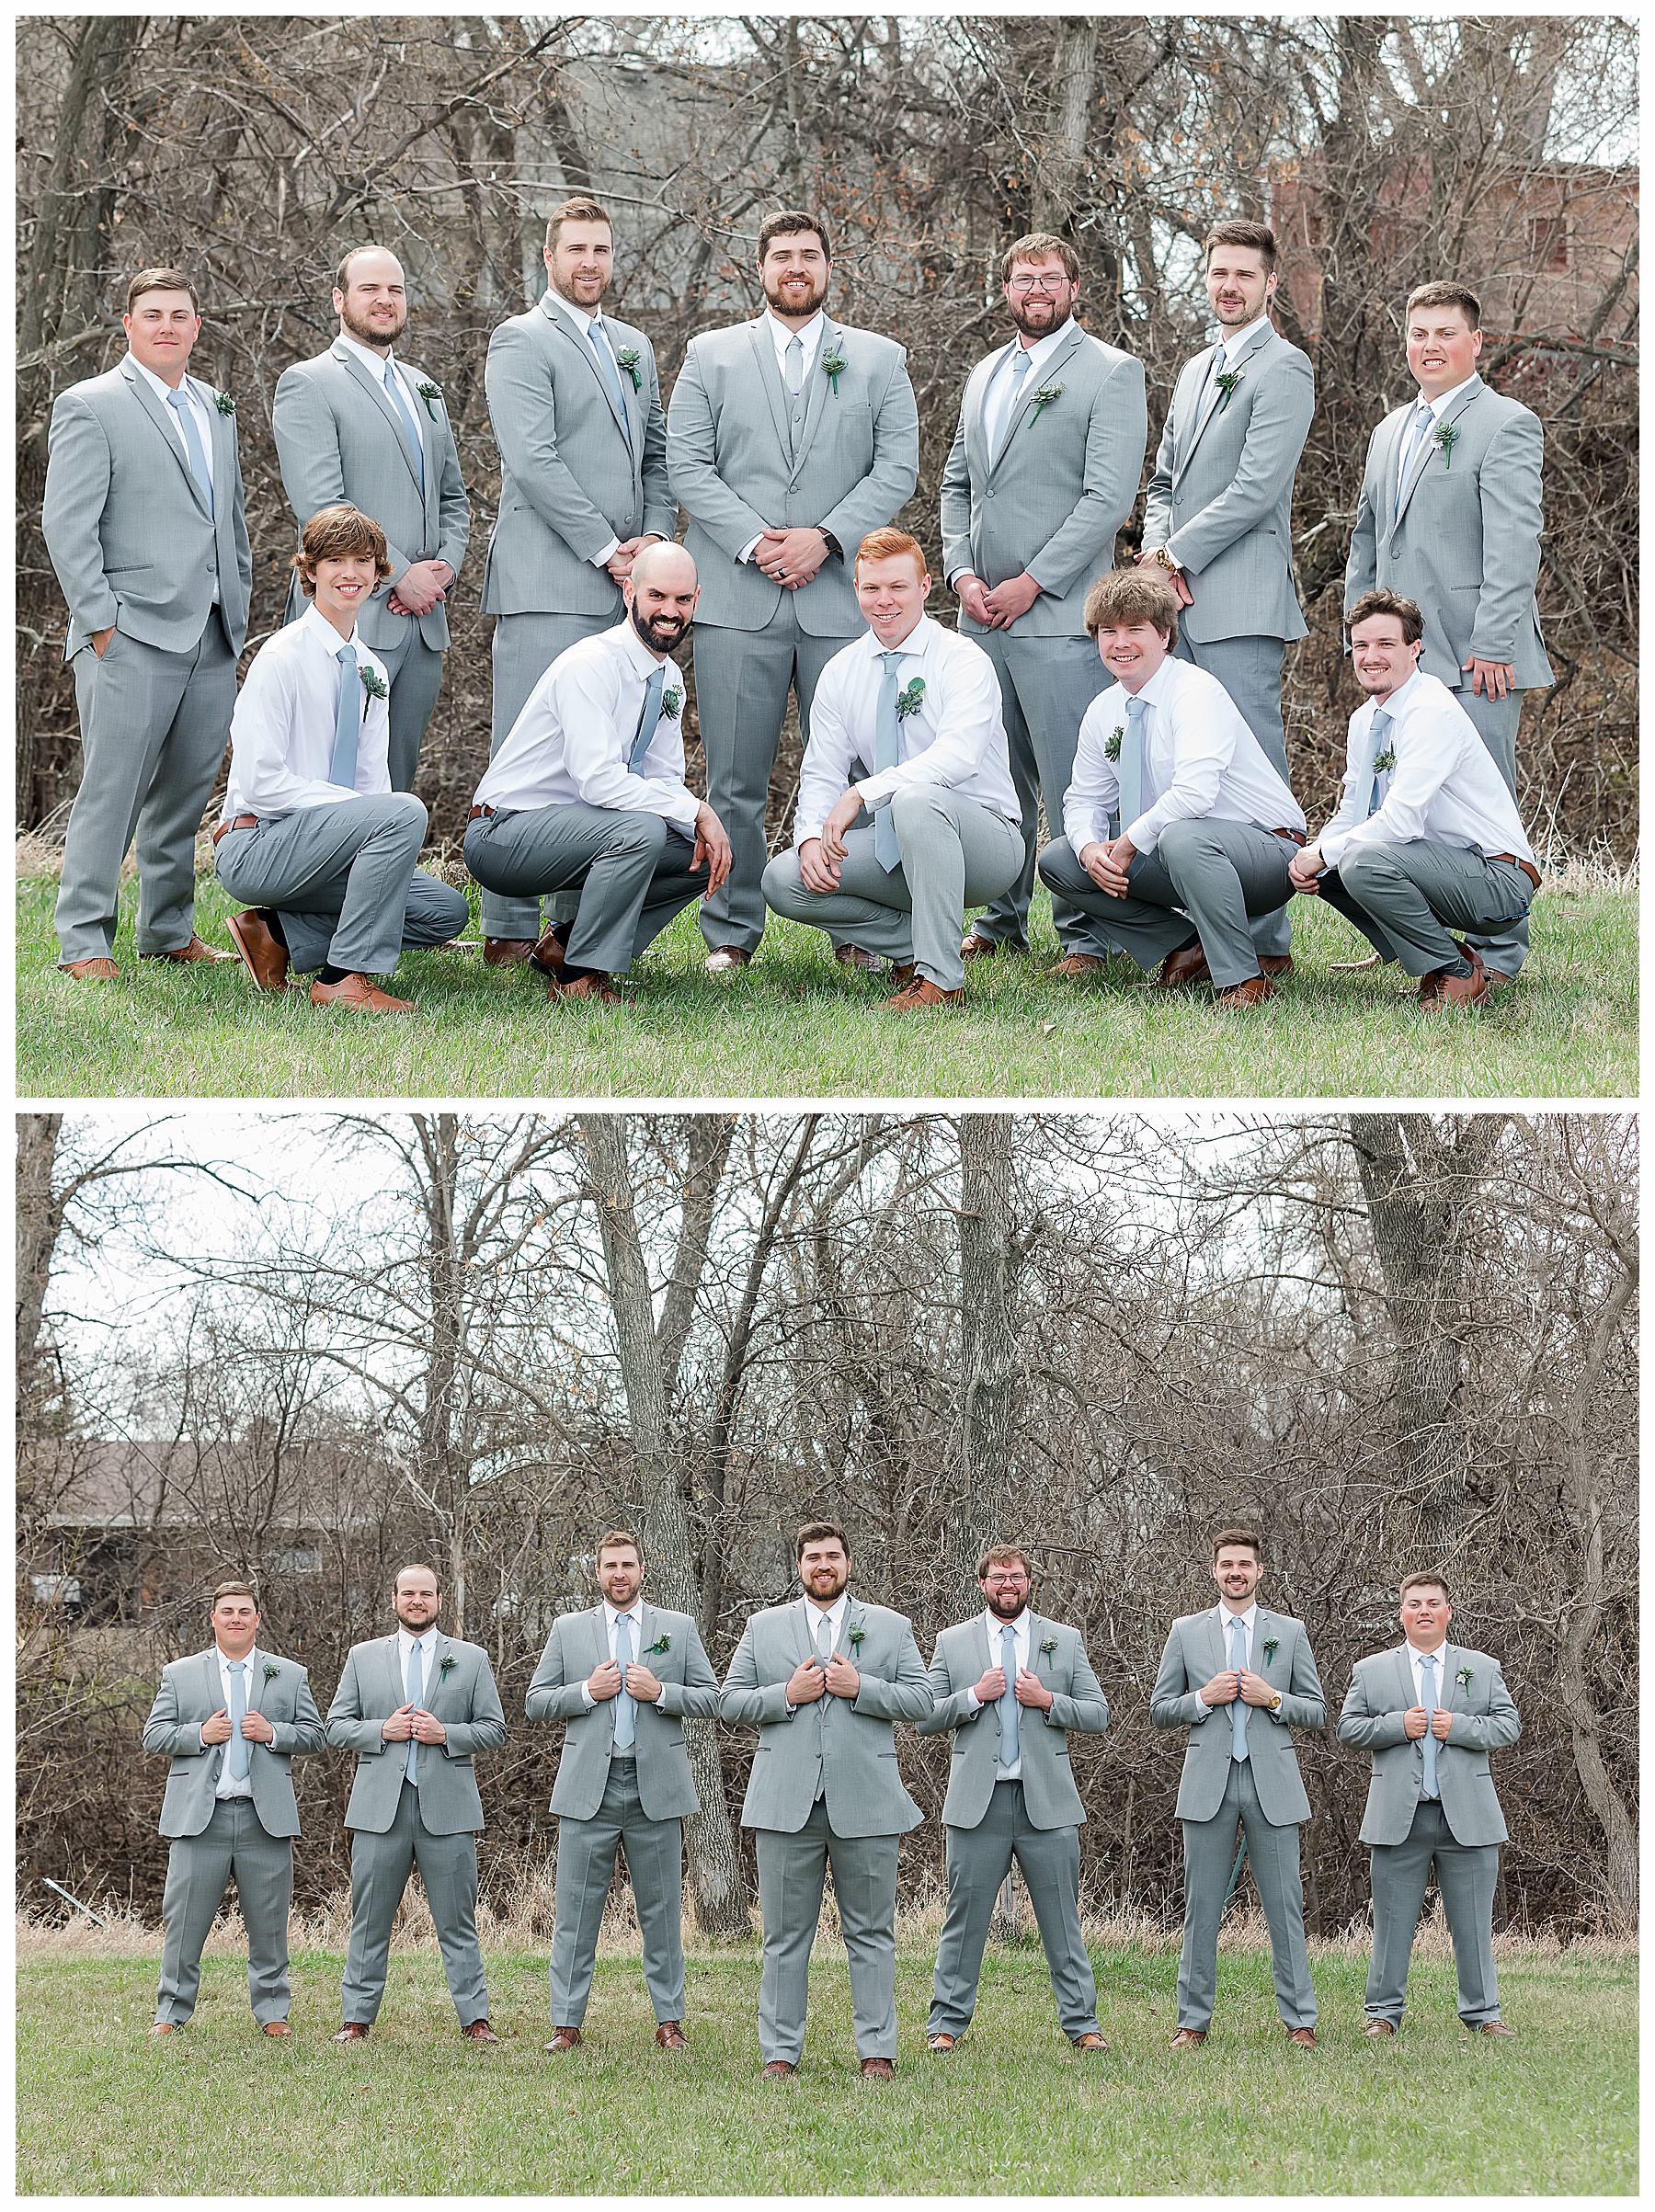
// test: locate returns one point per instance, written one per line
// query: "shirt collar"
(1399, 702)
(581, 316)
(835, 1613)
(375, 362)
(1161, 683)
(1251, 1616)
(1232, 341)
(635, 1611)
(1042, 350)
(1445, 399)
(225, 1661)
(917, 640)
(1436, 1657)
(165, 391)
(317, 624)
(783, 337)
(998, 1627)
(640, 658)
(425, 1639)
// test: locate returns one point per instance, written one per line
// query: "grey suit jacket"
(1194, 1653)
(191, 1692)
(1221, 495)
(960, 1661)
(727, 455)
(339, 438)
(463, 1698)
(127, 525)
(1063, 482)
(569, 482)
(1467, 545)
(836, 1746)
(1484, 1719)
(578, 1643)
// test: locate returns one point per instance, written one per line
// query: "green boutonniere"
(662, 1643)
(913, 700)
(429, 392)
(1227, 384)
(1270, 1649)
(628, 358)
(1046, 396)
(374, 684)
(1463, 1678)
(270, 1673)
(1112, 745)
(1049, 1648)
(447, 1661)
(1384, 762)
(834, 366)
(224, 403)
(1446, 435)
(856, 1638)
(672, 703)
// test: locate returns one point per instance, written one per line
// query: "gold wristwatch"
(1275, 1702)
(1165, 559)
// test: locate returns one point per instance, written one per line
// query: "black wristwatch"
(834, 547)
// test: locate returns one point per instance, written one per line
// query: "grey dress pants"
(1219, 873)
(1273, 1851)
(630, 870)
(199, 1869)
(380, 1867)
(414, 671)
(791, 1870)
(1408, 899)
(525, 645)
(1250, 668)
(586, 1864)
(1467, 1874)
(1496, 722)
(979, 1859)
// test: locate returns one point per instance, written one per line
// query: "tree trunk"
(40, 1224)
(1073, 70)
(438, 1136)
(989, 1260)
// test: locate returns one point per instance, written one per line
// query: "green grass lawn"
(794, 1025)
(220, 2111)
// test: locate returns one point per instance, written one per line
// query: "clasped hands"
(1029, 1690)
(254, 1727)
(605, 1681)
(413, 1723)
(421, 586)
(813, 1676)
(819, 857)
(620, 563)
(1415, 1720)
(998, 609)
(1243, 1682)
(790, 558)
(1107, 863)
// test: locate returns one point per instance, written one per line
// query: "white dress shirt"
(813, 1615)
(583, 319)
(196, 404)
(572, 739)
(1200, 760)
(281, 734)
(1445, 785)
(375, 365)
(810, 339)
(233, 1786)
(426, 1640)
(1439, 1696)
(1435, 408)
(957, 738)
(1248, 1620)
(997, 391)
(634, 1614)
(996, 1629)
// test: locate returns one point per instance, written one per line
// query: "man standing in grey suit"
(1431, 1712)
(1240, 1678)
(1010, 1794)
(1042, 472)
(822, 1680)
(1218, 519)
(416, 1706)
(1450, 516)
(575, 401)
(623, 1676)
(232, 1719)
(359, 425)
(788, 440)
(145, 522)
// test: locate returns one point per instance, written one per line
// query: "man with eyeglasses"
(1011, 1685)
(1043, 474)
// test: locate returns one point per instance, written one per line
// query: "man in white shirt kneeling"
(1427, 837)
(312, 835)
(923, 705)
(588, 790)
(1206, 824)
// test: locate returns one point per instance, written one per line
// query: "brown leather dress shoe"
(166, 2027)
(1189, 2039)
(194, 949)
(589, 987)
(854, 956)
(904, 975)
(1253, 992)
(276, 2028)
(1304, 2037)
(670, 2036)
(922, 994)
(507, 951)
(939, 2043)
(1180, 969)
(264, 955)
(353, 2031)
(1494, 2027)
(548, 954)
(100, 970)
(563, 2039)
(1090, 2041)
(974, 945)
(1375, 2028)
(878, 2069)
(361, 994)
(1467, 991)
(727, 961)
(1078, 964)
(1276, 963)
(780, 2069)
(478, 2031)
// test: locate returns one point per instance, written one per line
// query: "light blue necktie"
(1019, 370)
(415, 1695)
(347, 720)
(887, 752)
(626, 1705)
(1009, 1751)
(240, 1748)
(1378, 730)
(610, 368)
(823, 1638)
(1131, 778)
(1422, 421)
(649, 715)
(1212, 395)
(399, 400)
(1428, 1743)
(1238, 1710)
(192, 444)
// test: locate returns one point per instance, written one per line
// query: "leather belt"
(1533, 874)
(1294, 837)
(475, 811)
(251, 822)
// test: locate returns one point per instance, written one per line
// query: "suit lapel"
(222, 448)
(583, 347)
(1428, 446)
(817, 397)
(1214, 401)
(158, 415)
(769, 377)
(425, 418)
(803, 1647)
(374, 387)
(1037, 383)
(255, 1688)
(1405, 1677)
(1447, 1687)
